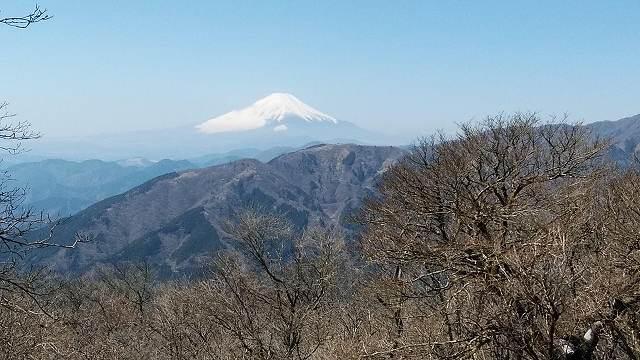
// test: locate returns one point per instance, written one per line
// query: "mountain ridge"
(174, 221)
(177, 211)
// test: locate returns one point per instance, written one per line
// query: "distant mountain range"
(175, 220)
(624, 135)
(61, 187)
(276, 120)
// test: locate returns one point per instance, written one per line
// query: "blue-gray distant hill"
(624, 135)
(61, 187)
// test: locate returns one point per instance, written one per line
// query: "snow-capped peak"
(271, 110)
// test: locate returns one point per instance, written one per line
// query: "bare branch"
(22, 22)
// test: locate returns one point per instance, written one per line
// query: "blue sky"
(395, 66)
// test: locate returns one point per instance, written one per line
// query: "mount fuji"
(282, 119)
(277, 120)
(274, 111)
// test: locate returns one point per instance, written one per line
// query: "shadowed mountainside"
(175, 220)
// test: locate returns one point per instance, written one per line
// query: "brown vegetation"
(505, 245)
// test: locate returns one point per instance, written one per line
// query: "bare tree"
(491, 237)
(275, 304)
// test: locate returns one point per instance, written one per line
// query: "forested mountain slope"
(176, 219)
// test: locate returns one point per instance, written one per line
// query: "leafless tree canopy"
(502, 245)
(275, 304)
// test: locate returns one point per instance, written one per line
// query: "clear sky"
(395, 66)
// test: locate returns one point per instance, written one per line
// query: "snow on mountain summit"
(271, 110)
